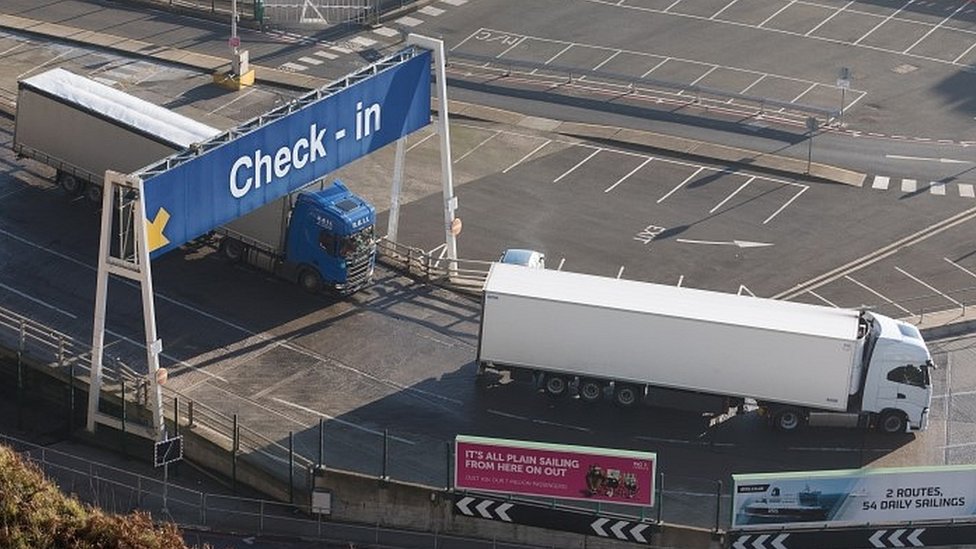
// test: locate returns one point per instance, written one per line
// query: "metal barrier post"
(660, 496)
(321, 440)
(191, 414)
(718, 504)
(176, 430)
(71, 390)
(291, 467)
(235, 438)
(203, 508)
(261, 517)
(23, 336)
(450, 451)
(386, 450)
(20, 392)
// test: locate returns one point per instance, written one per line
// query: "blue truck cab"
(322, 238)
(331, 239)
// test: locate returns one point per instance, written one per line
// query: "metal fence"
(117, 490)
(316, 14)
(624, 85)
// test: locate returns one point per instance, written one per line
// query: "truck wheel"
(625, 395)
(93, 193)
(310, 281)
(892, 422)
(231, 249)
(71, 184)
(556, 386)
(590, 390)
(788, 420)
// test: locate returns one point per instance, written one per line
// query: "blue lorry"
(318, 238)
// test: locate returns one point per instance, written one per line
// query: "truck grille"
(359, 271)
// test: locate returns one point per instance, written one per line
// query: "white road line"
(681, 279)
(292, 67)
(408, 21)
(768, 19)
(960, 267)
(553, 58)
(311, 61)
(38, 301)
(13, 192)
(563, 425)
(326, 54)
(743, 289)
(607, 60)
(476, 147)
(966, 190)
(822, 298)
(426, 137)
(719, 12)
(341, 49)
(783, 207)
(620, 272)
(431, 11)
(679, 185)
(561, 262)
(886, 19)
(455, 2)
(506, 414)
(929, 286)
(831, 16)
(526, 157)
(735, 192)
(806, 91)
(749, 87)
(11, 49)
(878, 294)
(673, 4)
(386, 32)
(655, 67)
(335, 419)
(236, 99)
(964, 54)
(699, 79)
(908, 185)
(933, 29)
(581, 162)
(937, 188)
(880, 182)
(48, 62)
(513, 46)
(632, 172)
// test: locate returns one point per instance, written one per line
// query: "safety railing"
(460, 274)
(631, 83)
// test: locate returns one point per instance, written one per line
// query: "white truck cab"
(897, 386)
(527, 258)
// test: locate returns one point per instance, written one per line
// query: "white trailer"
(82, 128)
(704, 350)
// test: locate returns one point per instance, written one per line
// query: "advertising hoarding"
(854, 496)
(554, 470)
(230, 180)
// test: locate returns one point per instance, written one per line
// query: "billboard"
(554, 470)
(854, 496)
(286, 154)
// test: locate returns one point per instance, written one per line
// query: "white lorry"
(82, 128)
(705, 351)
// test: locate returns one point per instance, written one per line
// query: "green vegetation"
(34, 514)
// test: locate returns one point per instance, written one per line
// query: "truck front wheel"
(625, 395)
(788, 420)
(556, 386)
(310, 281)
(93, 193)
(892, 422)
(231, 249)
(590, 390)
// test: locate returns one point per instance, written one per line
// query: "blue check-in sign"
(279, 157)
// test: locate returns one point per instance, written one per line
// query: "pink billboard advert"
(560, 471)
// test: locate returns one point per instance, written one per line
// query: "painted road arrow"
(546, 516)
(739, 243)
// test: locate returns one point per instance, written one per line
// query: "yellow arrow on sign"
(154, 230)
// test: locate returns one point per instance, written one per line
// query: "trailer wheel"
(93, 193)
(788, 420)
(71, 184)
(590, 390)
(231, 249)
(892, 422)
(556, 386)
(309, 280)
(625, 395)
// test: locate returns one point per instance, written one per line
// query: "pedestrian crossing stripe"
(880, 182)
(908, 185)
(966, 190)
(326, 54)
(936, 188)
